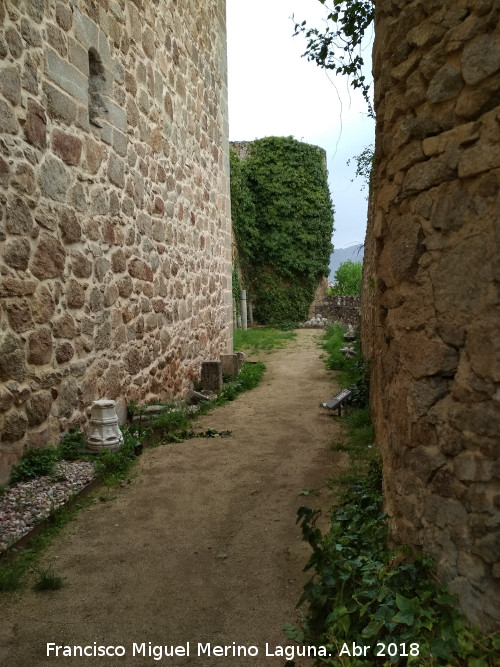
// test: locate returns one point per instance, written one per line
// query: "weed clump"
(366, 593)
(363, 592)
(40, 461)
(72, 445)
(113, 467)
(48, 580)
(36, 462)
(10, 577)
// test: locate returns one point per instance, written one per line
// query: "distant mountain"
(341, 255)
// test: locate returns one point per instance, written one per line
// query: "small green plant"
(175, 417)
(333, 340)
(10, 577)
(137, 413)
(48, 580)
(113, 467)
(249, 376)
(360, 389)
(228, 392)
(363, 591)
(72, 445)
(36, 461)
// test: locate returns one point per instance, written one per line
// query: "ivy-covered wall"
(283, 222)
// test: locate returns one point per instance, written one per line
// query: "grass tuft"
(10, 577)
(48, 580)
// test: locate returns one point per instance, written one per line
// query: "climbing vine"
(283, 222)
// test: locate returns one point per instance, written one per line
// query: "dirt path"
(202, 546)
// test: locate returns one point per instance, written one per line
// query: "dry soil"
(202, 546)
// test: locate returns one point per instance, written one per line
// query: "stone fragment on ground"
(350, 334)
(316, 322)
(195, 397)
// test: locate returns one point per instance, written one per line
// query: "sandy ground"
(201, 547)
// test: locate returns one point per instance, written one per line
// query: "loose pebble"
(25, 504)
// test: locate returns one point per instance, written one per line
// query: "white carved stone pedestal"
(104, 432)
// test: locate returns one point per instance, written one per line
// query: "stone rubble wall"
(242, 148)
(345, 309)
(115, 234)
(431, 279)
(320, 295)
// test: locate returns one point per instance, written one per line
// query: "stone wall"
(115, 235)
(242, 148)
(431, 278)
(345, 309)
(320, 295)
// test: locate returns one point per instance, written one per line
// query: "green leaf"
(372, 628)
(382, 594)
(403, 603)
(406, 617)
(439, 649)
(477, 662)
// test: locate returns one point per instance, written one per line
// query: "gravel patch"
(25, 504)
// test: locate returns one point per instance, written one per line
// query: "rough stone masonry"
(431, 279)
(115, 234)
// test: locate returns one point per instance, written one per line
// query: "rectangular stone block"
(78, 56)
(211, 375)
(241, 359)
(116, 116)
(86, 30)
(120, 142)
(229, 364)
(115, 9)
(66, 76)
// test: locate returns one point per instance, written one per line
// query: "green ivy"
(283, 221)
(366, 593)
(362, 591)
(243, 210)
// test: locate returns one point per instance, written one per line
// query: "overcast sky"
(273, 91)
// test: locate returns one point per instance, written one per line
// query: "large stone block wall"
(431, 276)
(320, 295)
(345, 309)
(115, 234)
